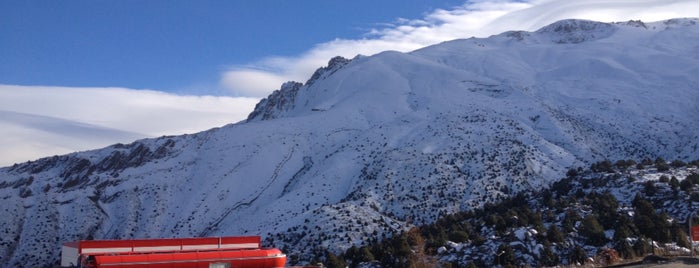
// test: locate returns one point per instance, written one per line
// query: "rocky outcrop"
(277, 102)
(577, 31)
(283, 99)
(334, 64)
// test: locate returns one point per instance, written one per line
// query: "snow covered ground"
(377, 144)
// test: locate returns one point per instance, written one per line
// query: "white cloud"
(474, 18)
(262, 81)
(39, 121)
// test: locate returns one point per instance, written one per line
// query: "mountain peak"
(283, 99)
(334, 64)
(279, 101)
(573, 31)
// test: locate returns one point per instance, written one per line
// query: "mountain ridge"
(374, 145)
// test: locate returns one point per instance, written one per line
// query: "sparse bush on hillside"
(693, 178)
(661, 165)
(602, 166)
(570, 216)
(649, 188)
(674, 183)
(624, 164)
(677, 163)
(694, 163)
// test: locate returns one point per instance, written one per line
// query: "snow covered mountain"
(374, 145)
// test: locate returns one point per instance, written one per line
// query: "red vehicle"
(210, 252)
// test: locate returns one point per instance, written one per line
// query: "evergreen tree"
(505, 256)
(577, 256)
(686, 185)
(605, 206)
(661, 165)
(693, 178)
(679, 235)
(694, 163)
(554, 235)
(572, 173)
(365, 255)
(623, 229)
(602, 166)
(642, 247)
(593, 231)
(562, 186)
(649, 188)
(401, 246)
(548, 258)
(351, 256)
(625, 249)
(458, 236)
(624, 164)
(569, 221)
(334, 261)
(677, 163)
(650, 223)
(674, 183)
(646, 225)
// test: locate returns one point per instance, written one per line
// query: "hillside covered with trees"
(608, 213)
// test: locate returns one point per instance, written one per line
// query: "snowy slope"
(373, 145)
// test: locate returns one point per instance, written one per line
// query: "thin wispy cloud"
(41, 121)
(140, 111)
(474, 18)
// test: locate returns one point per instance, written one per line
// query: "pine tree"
(650, 223)
(674, 183)
(605, 206)
(678, 163)
(554, 235)
(649, 188)
(679, 235)
(623, 229)
(625, 249)
(693, 178)
(593, 230)
(642, 247)
(686, 185)
(505, 255)
(661, 165)
(569, 221)
(334, 261)
(548, 258)
(577, 256)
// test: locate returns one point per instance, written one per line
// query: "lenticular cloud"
(41, 121)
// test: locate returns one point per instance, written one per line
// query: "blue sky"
(176, 46)
(78, 75)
